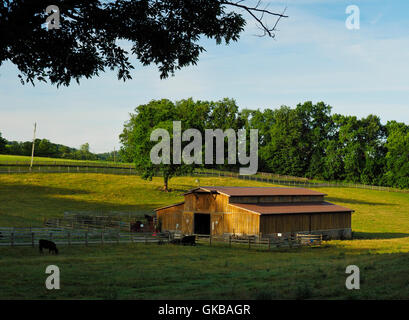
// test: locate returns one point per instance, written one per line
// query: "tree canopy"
(305, 141)
(94, 35)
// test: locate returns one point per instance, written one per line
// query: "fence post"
(269, 243)
(249, 242)
(32, 239)
(69, 238)
(210, 239)
(51, 236)
(229, 240)
(12, 239)
(117, 239)
(146, 239)
(102, 237)
(86, 238)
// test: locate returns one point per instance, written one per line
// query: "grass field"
(380, 248)
(4, 158)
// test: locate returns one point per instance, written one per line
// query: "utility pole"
(114, 155)
(34, 141)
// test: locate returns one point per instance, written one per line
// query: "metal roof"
(293, 207)
(171, 205)
(259, 191)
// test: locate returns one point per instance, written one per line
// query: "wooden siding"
(216, 224)
(243, 221)
(171, 217)
(206, 202)
(326, 221)
(304, 222)
(187, 222)
(275, 199)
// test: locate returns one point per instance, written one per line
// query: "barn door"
(217, 224)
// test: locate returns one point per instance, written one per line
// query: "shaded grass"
(173, 272)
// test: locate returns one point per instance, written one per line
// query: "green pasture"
(380, 247)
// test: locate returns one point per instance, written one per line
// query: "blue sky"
(314, 57)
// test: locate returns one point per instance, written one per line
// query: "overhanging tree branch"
(257, 13)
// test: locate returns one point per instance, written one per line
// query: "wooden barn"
(255, 211)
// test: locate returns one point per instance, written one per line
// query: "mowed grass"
(4, 159)
(380, 248)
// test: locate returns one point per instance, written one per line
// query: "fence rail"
(73, 163)
(266, 242)
(31, 236)
(131, 170)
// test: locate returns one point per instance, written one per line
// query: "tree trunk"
(165, 183)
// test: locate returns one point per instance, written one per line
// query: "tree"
(2, 144)
(361, 146)
(397, 157)
(317, 126)
(163, 32)
(46, 149)
(160, 114)
(136, 144)
(285, 150)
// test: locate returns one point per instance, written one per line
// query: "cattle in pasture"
(46, 244)
(189, 240)
(186, 240)
(175, 241)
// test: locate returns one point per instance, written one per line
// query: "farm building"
(255, 211)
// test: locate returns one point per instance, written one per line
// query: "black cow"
(175, 241)
(188, 240)
(46, 244)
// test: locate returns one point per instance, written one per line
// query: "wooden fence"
(276, 179)
(87, 224)
(296, 240)
(31, 236)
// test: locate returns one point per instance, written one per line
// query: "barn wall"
(206, 202)
(304, 222)
(187, 222)
(171, 217)
(243, 221)
(284, 223)
(216, 224)
(330, 221)
(275, 199)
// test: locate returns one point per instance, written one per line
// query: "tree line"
(305, 141)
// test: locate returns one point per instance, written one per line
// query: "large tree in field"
(160, 114)
(96, 35)
(136, 142)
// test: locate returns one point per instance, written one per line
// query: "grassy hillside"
(4, 158)
(380, 222)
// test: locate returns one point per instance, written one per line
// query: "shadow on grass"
(379, 235)
(352, 201)
(28, 205)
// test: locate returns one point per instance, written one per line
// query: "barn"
(258, 211)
